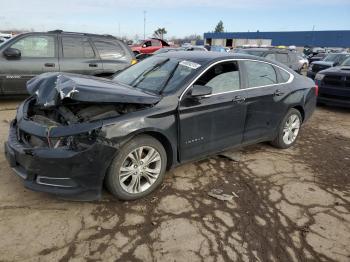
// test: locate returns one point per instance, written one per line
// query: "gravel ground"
(287, 205)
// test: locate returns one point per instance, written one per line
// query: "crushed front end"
(69, 161)
(56, 143)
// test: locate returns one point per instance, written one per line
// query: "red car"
(149, 46)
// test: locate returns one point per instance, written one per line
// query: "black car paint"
(334, 88)
(15, 72)
(188, 128)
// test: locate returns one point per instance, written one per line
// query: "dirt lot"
(289, 205)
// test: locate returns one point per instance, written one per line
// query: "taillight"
(316, 89)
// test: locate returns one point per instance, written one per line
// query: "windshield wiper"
(142, 77)
(168, 79)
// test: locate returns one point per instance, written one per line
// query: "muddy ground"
(289, 205)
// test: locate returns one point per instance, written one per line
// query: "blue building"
(336, 38)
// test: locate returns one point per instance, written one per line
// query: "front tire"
(288, 130)
(138, 169)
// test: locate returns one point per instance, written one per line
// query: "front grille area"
(334, 97)
(337, 81)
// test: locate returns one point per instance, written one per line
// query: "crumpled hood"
(51, 88)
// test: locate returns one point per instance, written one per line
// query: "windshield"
(346, 62)
(157, 74)
(331, 57)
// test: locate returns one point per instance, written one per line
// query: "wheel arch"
(301, 111)
(162, 138)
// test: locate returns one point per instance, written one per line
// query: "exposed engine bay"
(72, 112)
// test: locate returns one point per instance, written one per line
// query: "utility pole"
(144, 25)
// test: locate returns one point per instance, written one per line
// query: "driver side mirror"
(12, 53)
(199, 91)
(144, 45)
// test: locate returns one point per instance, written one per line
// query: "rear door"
(38, 55)
(214, 122)
(113, 56)
(78, 56)
(265, 92)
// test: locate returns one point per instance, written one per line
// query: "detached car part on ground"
(76, 133)
(334, 85)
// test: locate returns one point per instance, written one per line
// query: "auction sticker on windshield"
(190, 64)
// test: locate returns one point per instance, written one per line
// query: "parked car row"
(284, 56)
(328, 61)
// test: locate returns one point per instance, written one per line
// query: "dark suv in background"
(284, 56)
(31, 54)
(329, 61)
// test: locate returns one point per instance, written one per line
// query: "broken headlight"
(77, 142)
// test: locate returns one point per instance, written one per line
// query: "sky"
(179, 17)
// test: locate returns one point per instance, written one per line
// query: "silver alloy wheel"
(140, 169)
(291, 129)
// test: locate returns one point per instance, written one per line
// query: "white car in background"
(303, 61)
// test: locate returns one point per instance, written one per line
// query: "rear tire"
(138, 169)
(288, 130)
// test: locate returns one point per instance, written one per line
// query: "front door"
(214, 122)
(38, 55)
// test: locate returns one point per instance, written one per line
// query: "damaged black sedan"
(76, 133)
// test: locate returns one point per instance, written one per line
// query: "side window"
(77, 47)
(109, 50)
(260, 74)
(36, 46)
(284, 75)
(156, 43)
(147, 43)
(270, 56)
(282, 58)
(221, 78)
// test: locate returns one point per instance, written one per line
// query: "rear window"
(77, 47)
(108, 49)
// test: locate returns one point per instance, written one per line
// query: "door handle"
(278, 93)
(238, 99)
(49, 64)
(92, 65)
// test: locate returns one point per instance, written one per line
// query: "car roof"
(207, 57)
(71, 33)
